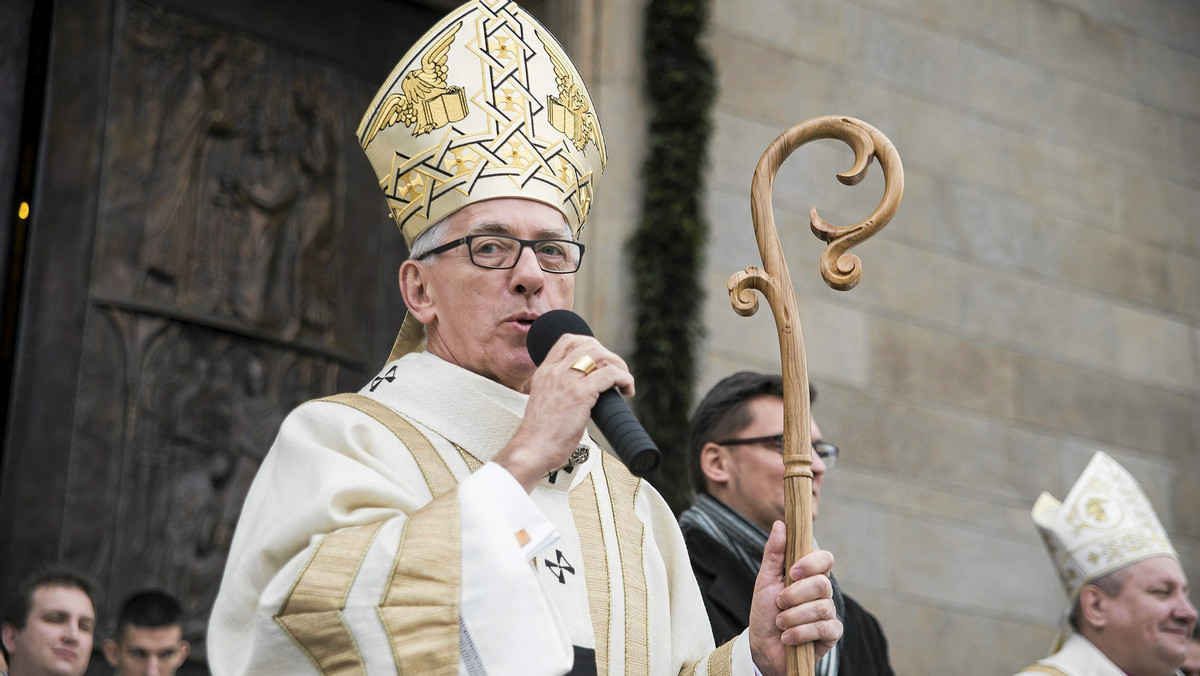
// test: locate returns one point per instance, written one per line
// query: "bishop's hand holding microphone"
(611, 414)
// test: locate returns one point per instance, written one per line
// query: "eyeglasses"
(825, 450)
(501, 252)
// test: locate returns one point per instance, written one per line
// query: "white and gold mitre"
(485, 105)
(1105, 523)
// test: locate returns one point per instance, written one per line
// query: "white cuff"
(526, 522)
(742, 664)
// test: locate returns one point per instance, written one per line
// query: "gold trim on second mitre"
(570, 113)
(428, 101)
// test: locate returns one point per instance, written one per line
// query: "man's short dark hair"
(151, 609)
(724, 411)
(17, 611)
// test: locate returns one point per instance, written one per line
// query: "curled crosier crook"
(840, 269)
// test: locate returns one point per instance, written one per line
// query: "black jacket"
(727, 587)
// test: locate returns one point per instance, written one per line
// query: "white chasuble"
(1077, 657)
(378, 539)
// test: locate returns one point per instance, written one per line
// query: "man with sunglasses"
(735, 455)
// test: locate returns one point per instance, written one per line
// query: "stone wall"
(1036, 298)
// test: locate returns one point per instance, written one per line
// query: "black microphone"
(611, 414)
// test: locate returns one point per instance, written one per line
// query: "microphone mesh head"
(548, 328)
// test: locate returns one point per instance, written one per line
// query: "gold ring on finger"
(584, 365)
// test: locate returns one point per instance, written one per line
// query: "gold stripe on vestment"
(720, 661)
(689, 668)
(312, 612)
(1045, 669)
(433, 467)
(631, 532)
(420, 606)
(473, 463)
(585, 508)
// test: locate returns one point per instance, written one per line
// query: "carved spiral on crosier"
(840, 269)
(743, 287)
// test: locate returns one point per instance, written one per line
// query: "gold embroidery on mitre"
(1106, 522)
(571, 113)
(427, 103)
(1095, 510)
(494, 84)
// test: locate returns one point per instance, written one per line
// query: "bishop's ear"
(1093, 606)
(415, 289)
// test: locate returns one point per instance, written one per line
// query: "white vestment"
(382, 543)
(1077, 657)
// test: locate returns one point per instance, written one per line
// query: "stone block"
(772, 22)
(1170, 77)
(623, 114)
(871, 102)
(858, 537)
(995, 22)
(907, 57)
(736, 145)
(1036, 317)
(731, 244)
(1117, 128)
(1159, 211)
(837, 341)
(1104, 409)
(988, 226)
(953, 144)
(912, 281)
(1062, 180)
(1184, 140)
(1183, 280)
(926, 638)
(1007, 88)
(1065, 40)
(966, 568)
(1012, 236)
(1184, 512)
(1154, 349)
(1172, 23)
(940, 367)
(623, 24)
(757, 80)
(1114, 264)
(917, 494)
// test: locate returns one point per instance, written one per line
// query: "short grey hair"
(429, 239)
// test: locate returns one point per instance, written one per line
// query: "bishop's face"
(1148, 624)
(478, 318)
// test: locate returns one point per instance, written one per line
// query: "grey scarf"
(746, 541)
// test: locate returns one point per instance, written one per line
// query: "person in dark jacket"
(735, 455)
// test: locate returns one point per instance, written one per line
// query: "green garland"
(667, 249)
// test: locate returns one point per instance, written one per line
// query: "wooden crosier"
(841, 270)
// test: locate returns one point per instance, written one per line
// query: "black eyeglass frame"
(827, 451)
(531, 243)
